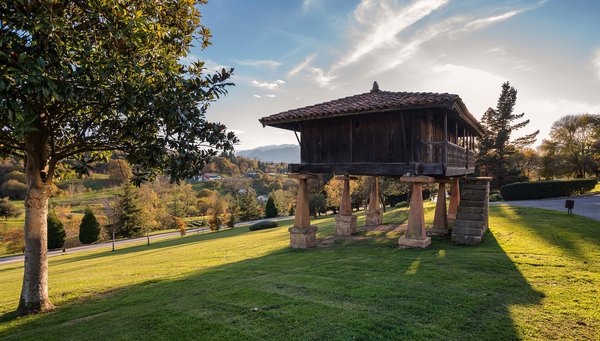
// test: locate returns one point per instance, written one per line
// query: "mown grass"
(535, 276)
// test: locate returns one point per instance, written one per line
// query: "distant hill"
(288, 153)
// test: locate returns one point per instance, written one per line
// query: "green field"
(535, 276)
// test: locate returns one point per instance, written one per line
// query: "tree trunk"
(34, 293)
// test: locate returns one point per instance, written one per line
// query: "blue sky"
(289, 54)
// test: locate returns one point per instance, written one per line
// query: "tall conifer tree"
(496, 146)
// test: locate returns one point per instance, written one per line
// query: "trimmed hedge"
(546, 189)
(261, 225)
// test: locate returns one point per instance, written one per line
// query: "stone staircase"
(472, 215)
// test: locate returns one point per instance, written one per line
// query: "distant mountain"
(288, 153)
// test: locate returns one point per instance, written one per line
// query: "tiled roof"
(373, 101)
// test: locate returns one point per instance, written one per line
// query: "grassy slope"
(536, 276)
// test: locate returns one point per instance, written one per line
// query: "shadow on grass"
(556, 228)
(367, 289)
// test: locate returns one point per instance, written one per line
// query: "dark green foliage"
(495, 197)
(56, 232)
(317, 204)
(546, 189)
(249, 208)
(402, 204)
(261, 225)
(270, 209)
(128, 214)
(496, 146)
(89, 229)
(8, 210)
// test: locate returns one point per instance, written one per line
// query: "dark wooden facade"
(436, 141)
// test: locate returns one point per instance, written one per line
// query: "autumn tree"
(575, 139)
(80, 79)
(496, 144)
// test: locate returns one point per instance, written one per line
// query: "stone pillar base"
(438, 231)
(405, 243)
(374, 217)
(345, 225)
(303, 237)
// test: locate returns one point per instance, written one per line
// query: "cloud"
(317, 74)
(596, 60)
(268, 85)
(258, 96)
(272, 64)
(484, 22)
(271, 96)
(390, 22)
(295, 70)
(306, 4)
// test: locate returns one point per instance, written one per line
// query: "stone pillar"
(454, 200)
(374, 212)
(415, 235)
(345, 222)
(440, 222)
(302, 234)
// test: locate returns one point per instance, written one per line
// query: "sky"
(289, 54)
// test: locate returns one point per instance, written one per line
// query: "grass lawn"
(535, 276)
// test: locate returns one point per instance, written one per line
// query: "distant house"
(252, 175)
(262, 198)
(211, 177)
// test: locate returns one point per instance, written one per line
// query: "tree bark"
(34, 293)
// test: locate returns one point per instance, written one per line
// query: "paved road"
(587, 206)
(119, 243)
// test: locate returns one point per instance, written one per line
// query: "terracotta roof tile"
(367, 102)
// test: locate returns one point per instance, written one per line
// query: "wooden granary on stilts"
(416, 136)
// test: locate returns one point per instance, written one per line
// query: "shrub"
(13, 189)
(89, 229)
(261, 225)
(8, 210)
(56, 232)
(270, 209)
(495, 197)
(546, 189)
(15, 175)
(402, 204)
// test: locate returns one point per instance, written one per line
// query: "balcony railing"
(458, 157)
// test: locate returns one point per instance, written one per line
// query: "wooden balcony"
(453, 159)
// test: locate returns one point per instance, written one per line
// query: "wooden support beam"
(302, 217)
(345, 222)
(454, 200)
(374, 214)
(302, 235)
(440, 221)
(415, 235)
(389, 169)
(418, 179)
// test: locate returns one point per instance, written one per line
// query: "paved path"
(118, 243)
(587, 206)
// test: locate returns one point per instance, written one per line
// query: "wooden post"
(374, 212)
(454, 200)
(445, 139)
(345, 222)
(302, 235)
(440, 222)
(415, 235)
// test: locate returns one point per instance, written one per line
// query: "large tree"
(80, 79)
(575, 140)
(496, 145)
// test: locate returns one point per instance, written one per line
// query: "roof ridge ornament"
(375, 87)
